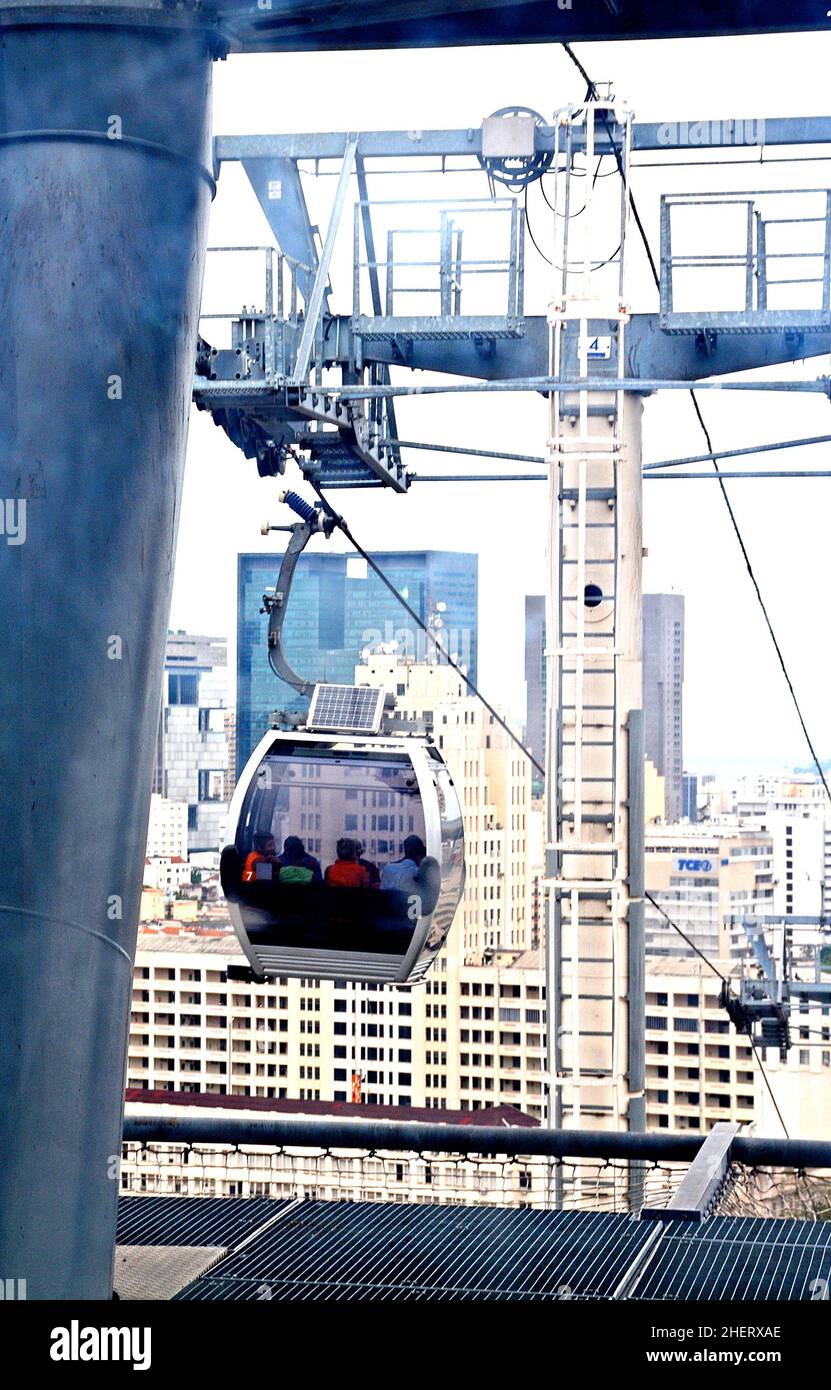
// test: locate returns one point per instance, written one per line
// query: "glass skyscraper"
(338, 608)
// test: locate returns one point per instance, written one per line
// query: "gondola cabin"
(347, 860)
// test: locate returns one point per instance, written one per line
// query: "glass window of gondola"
(318, 833)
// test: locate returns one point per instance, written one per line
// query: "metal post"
(748, 282)
(826, 256)
(105, 207)
(445, 264)
(269, 314)
(761, 262)
(666, 256)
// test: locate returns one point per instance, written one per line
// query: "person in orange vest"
(372, 869)
(264, 851)
(346, 872)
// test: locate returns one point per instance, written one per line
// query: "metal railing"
(761, 268)
(447, 272)
(390, 1161)
(258, 336)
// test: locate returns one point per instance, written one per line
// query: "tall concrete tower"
(105, 185)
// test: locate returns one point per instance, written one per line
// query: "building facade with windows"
(465, 1040)
(701, 875)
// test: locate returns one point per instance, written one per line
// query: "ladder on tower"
(593, 646)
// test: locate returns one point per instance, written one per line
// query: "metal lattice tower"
(593, 662)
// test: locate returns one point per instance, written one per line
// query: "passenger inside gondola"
(372, 869)
(264, 852)
(347, 871)
(295, 865)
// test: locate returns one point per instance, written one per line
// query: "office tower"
(663, 681)
(535, 675)
(192, 750)
(689, 802)
(337, 610)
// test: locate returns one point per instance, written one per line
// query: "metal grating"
(160, 1271)
(345, 708)
(368, 1251)
(191, 1220)
(741, 1258)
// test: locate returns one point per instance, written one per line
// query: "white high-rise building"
(468, 1038)
(167, 829)
(192, 753)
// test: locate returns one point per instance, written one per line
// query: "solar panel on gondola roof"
(346, 708)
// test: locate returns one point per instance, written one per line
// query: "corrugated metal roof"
(191, 1220)
(371, 1250)
(368, 1250)
(742, 1258)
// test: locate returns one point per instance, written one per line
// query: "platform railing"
(661, 1176)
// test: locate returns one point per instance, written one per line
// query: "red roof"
(343, 1110)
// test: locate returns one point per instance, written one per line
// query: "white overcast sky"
(737, 711)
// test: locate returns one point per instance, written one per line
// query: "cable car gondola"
(347, 858)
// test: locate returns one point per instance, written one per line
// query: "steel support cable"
(766, 1080)
(592, 90)
(682, 934)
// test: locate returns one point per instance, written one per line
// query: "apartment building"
(663, 688)
(193, 1030)
(464, 1041)
(192, 746)
(698, 1069)
(167, 828)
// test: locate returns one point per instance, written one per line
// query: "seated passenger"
(417, 874)
(264, 851)
(402, 874)
(372, 869)
(346, 872)
(295, 865)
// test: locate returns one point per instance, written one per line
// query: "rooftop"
(341, 1110)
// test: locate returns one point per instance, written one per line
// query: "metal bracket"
(276, 604)
(703, 1180)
